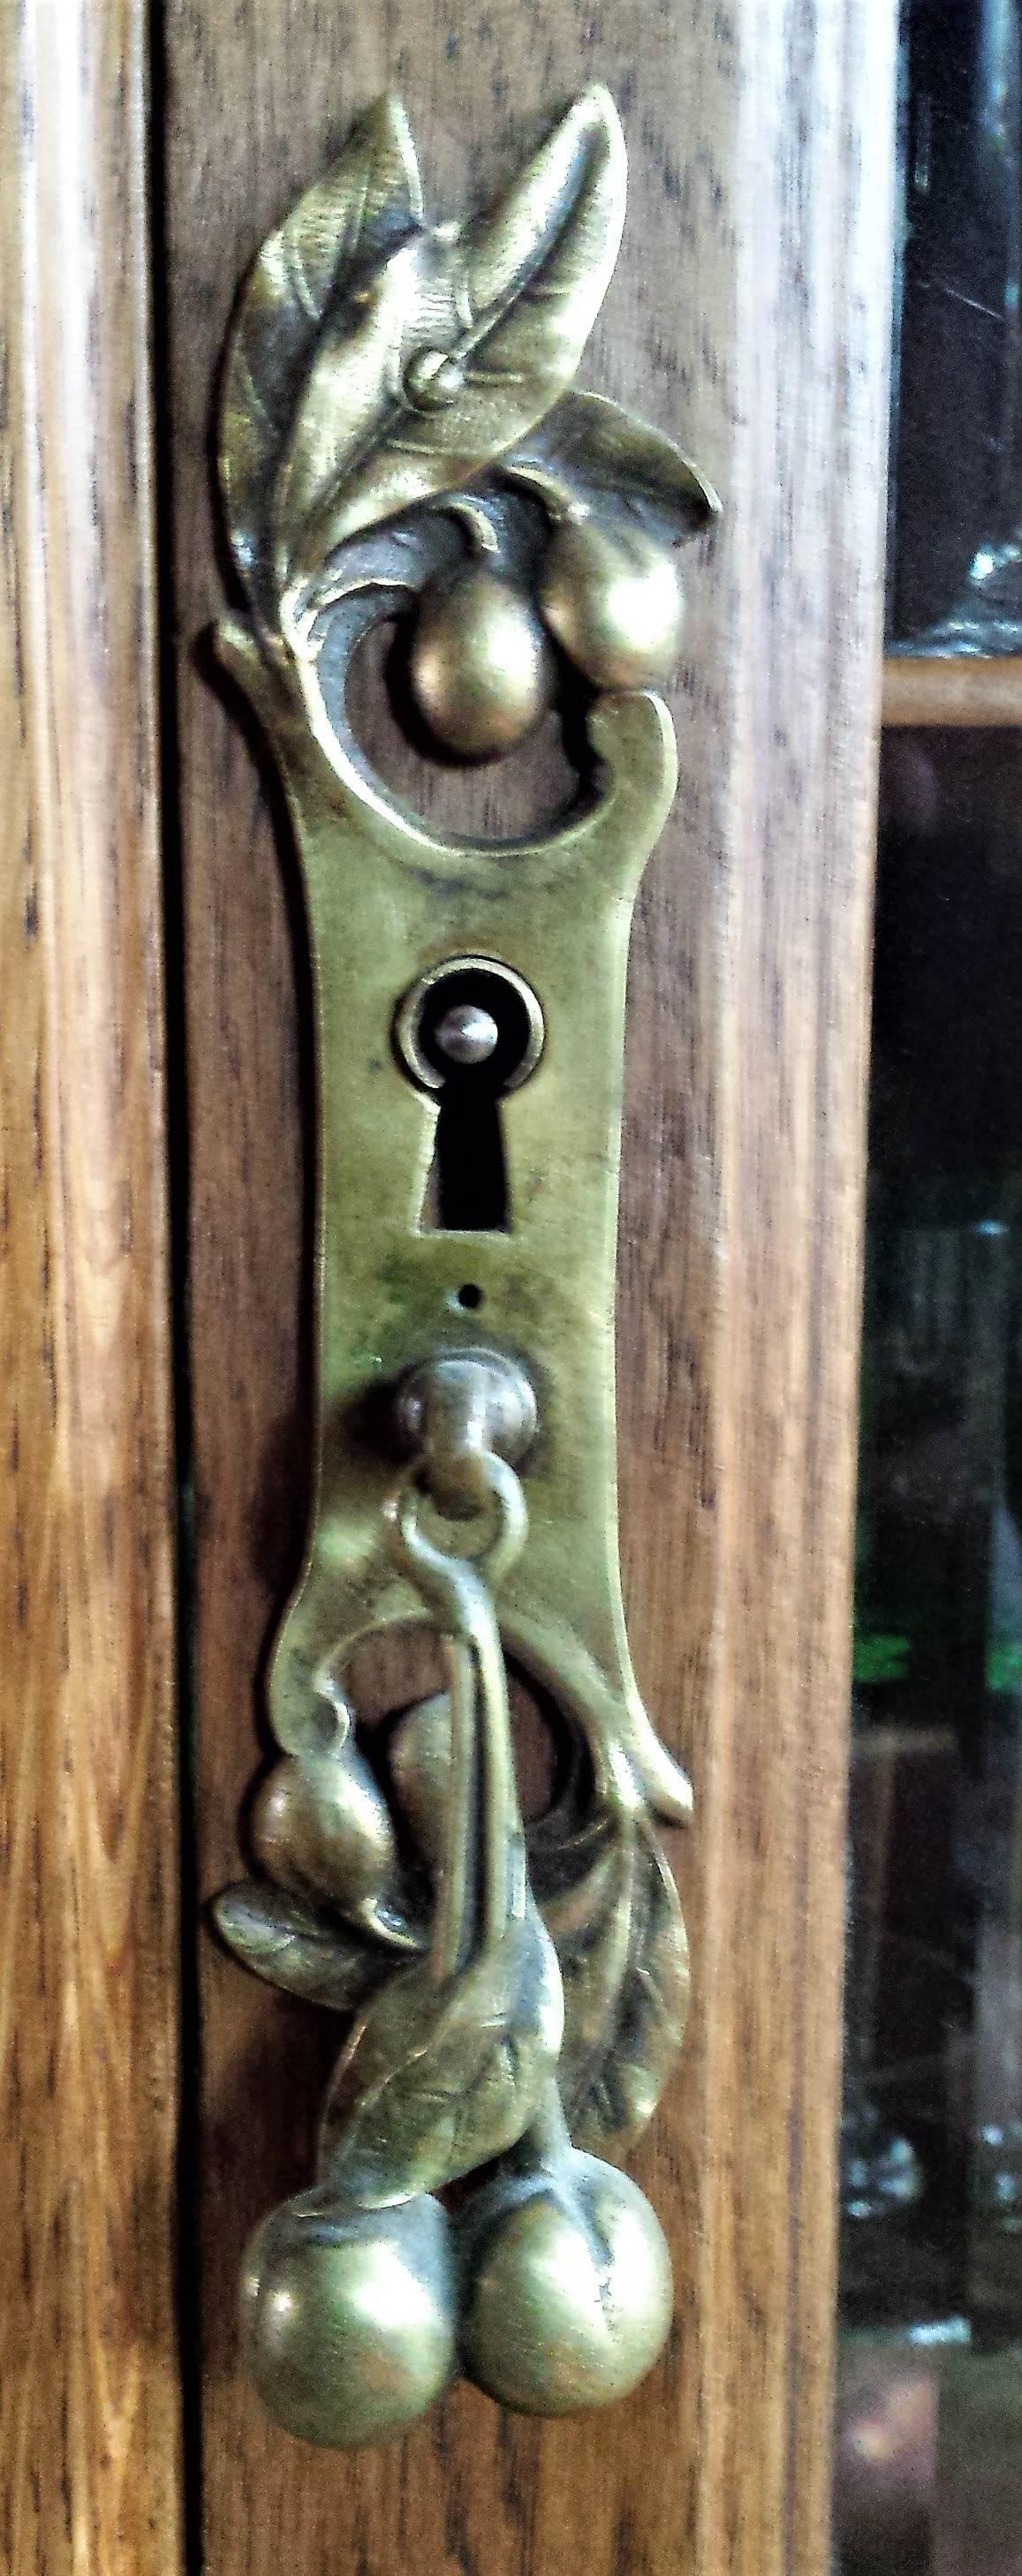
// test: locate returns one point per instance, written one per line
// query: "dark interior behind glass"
(929, 2448)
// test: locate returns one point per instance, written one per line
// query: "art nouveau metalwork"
(399, 437)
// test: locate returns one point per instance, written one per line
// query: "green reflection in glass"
(881, 1658)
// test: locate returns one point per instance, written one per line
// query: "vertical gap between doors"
(187, 2213)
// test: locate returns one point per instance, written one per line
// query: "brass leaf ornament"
(400, 436)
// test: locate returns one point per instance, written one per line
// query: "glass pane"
(929, 2459)
(955, 556)
(928, 2469)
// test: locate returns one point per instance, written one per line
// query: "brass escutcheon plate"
(399, 436)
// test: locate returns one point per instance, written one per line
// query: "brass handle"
(398, 429)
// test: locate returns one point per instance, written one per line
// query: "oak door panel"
(748, 316)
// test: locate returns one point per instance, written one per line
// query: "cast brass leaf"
(506, 304)
(436, 2080)
(293, 1947)
(588, 448)
(625, 2002)
(366, 204)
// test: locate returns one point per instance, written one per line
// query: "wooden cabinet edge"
(90, 2457)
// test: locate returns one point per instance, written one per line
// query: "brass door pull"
(399, 437)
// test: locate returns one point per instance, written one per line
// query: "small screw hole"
(469, 1296)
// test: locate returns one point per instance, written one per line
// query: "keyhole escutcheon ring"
(434, 1031)
(469, 1031)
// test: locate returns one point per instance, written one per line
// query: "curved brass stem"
(449, 1948)
(484, 1823)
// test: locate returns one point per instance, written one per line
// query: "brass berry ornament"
(348, 2316)
(481, 667)
(568, 2292)
(613, 599)
(401, 438)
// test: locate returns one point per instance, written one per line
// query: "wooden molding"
(90, 2458)
(956, 689)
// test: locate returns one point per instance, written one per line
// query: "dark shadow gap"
(187, 2238)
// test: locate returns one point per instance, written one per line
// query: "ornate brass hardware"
(398, 434)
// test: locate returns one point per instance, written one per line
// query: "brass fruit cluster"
(550, 2284)
(482, 669)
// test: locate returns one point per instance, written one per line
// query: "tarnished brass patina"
(399, 436)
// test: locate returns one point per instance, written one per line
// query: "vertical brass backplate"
(400, 439)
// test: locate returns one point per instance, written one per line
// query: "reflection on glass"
(929, 2452)
(955, 569)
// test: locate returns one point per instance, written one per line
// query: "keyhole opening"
(471, 1033)
(470, 1164)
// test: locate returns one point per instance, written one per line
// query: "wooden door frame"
(90, 2455)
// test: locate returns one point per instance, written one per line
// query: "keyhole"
(471, 1033)
(471, 1165)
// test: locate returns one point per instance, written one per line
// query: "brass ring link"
(494, 1487)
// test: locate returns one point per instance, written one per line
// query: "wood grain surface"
(89, 2404)
(749, 317)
